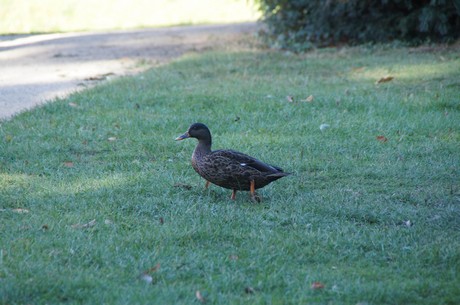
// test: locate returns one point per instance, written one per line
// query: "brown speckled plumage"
(228, 168)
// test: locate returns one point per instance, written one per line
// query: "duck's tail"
(278, 175)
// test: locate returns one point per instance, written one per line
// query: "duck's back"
(234, 170)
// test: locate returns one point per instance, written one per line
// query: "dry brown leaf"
(183, 185)
(233, 257)
(153, 269)
(146, 277)
(100, 77)
(90, 224)
(317, 285)
(385, 79)
(382, 139)
(68, 164)
(200, 297)
(310, 99)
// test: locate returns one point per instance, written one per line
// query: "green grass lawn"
(95, 192)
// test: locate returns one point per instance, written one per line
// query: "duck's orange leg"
(207, 184)
(233, 195)
(252, 189)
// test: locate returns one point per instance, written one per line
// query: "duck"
(228, 168)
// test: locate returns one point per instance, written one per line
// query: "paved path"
(39, 68)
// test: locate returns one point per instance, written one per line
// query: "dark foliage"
(296, 24)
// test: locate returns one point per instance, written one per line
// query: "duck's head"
(198, 131)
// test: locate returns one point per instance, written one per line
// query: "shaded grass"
(375, 222)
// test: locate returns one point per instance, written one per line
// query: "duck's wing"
(243, 160)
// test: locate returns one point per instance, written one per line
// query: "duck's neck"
(203, 148)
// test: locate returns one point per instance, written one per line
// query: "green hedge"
(299, 23)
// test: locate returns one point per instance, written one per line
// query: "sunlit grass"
(407, 72)
(32, 16)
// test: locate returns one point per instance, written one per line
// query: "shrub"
(296, 24)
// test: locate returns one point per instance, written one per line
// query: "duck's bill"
(182, 137)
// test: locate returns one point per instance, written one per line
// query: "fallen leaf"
(153, 269)
(310, 99)
(290, 99)
(200, 297)
(382, 139)
(94, 78)
(233, 257)
(317, 285)
(90, 224)
(385, 79)
(183, 185)
(111, 139)
(68, 164)
(146, 277)
(100, 77)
